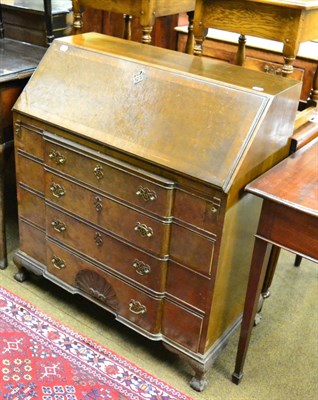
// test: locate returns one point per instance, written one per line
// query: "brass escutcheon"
(98, 204)
(98, 239)
(138, 77)
(98, 172)
(136, 307)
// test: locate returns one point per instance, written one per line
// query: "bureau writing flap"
(197, 117)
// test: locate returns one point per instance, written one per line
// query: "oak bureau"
(131, 162)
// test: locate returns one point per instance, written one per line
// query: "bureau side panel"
(233, 266)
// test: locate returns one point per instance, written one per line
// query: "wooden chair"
(146, 11)
(288, 22)
(17, 63)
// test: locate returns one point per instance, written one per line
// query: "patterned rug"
(45, 360)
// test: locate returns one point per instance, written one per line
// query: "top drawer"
(145, 190)
(29, 140)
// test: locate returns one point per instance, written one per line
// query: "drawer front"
(198, 211)
(127, 260)
(145, 232)
(31, 207)
(176, 322)
(30, 173)
(28, 140)
(194, 250)
(119, 297)
(118, 180)
(32, 241)
(178, 279)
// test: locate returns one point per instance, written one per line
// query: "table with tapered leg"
(289, 220)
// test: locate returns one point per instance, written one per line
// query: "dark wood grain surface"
(293, 182)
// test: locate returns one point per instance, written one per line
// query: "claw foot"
(21, 275)
(198, 383)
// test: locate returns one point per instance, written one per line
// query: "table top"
(293, 182)
(18, 59)
(302, 4)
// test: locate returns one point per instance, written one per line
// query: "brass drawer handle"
(146, 194)
(98, 172)
(136, 307)
(57, 157)
(143, 230)
(98, 239)
(272, 69)
(17, 127)
(58, 263)
(58, 225)
(57, 190)
(98, 203)
(141, 268)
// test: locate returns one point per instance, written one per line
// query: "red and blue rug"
(45, 360)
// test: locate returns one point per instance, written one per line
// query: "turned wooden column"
(145, 11)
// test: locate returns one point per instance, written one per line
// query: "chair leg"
(77, 17)
(190, 40)
(240, 54)
(127, 27)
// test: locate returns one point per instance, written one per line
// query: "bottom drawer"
(32, 241)
(112, 293)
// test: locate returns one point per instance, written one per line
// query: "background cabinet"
(24, 20)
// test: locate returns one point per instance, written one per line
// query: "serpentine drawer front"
(103, 247)
(107, 175)
(131, 164)
(134, 226)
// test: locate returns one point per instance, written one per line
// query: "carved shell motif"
(96, 286)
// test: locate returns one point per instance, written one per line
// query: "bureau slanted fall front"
(131, 162)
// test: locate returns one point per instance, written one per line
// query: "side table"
(289, 220)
